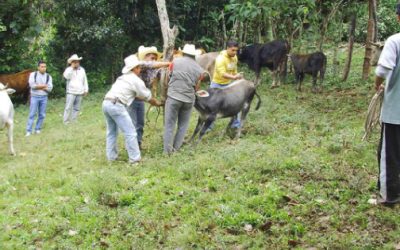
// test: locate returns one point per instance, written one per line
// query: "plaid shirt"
(148, 73)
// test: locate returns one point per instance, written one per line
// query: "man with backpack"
(41, 85)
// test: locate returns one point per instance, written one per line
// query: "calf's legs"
(10, 126)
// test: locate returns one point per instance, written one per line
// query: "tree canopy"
(105, 31)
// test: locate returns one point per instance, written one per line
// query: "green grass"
(299, 177)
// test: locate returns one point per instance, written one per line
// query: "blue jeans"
(136, 112)
(38, 106)
(117, 117)
(236, 123)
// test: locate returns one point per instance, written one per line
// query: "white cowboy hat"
(130, 62)
(74, 57)
(144, 51)
(190, 49)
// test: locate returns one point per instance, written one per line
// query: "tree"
(350, 46)
(370, 38)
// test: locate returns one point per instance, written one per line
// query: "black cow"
(309, 64)
(272, 55)
(222, 103)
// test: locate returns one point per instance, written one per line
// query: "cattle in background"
(272, 55)
(222, 103)
(311, 64)
(7, 114)
(18, 81)
(207, 62)
(376, 52)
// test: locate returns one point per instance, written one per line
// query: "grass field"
(299, 177)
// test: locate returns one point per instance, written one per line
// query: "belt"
(114, 100)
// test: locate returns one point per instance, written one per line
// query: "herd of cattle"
(228, 102)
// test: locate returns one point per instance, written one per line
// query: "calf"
(311, 64)
(7, 114)
(222, 103)
(272, 55)
(207, 62)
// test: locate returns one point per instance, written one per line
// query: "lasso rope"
(373, 114)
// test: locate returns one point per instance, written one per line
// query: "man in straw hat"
(77, 87)
(185, 79)
(389, 148)
(125, 89)
(148, 57)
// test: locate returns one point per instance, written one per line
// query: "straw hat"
(130, 62)
(190, 49)
(74, 57)
(144, 51)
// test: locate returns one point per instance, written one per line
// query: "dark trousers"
(389, 163)
(137, 113)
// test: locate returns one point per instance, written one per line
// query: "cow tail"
(259, 100)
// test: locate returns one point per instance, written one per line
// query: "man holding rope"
(148, 57)
(389, 147)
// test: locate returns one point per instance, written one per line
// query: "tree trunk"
(375, 18)
(224, 27)
(370, 37)
(350, 47)
(325, 24)
(169, 35)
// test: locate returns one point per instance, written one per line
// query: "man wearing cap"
(77, 87)
(41, 85)
(185, 79)
(148, 57)
(126, 88)
(389, 148)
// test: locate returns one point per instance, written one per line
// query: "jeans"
(72, 107)
(136, 112)
(117, 117)
(175, 111)
(38, 105)
(236, 123)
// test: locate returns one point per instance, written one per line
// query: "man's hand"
(238, 76)
(379, 83)
(155, 102)
(41, 86)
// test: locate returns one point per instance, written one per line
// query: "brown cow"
(18, 82)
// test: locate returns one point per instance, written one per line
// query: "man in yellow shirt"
(226, 66)
(225, 72)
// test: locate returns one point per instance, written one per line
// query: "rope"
(373, 114)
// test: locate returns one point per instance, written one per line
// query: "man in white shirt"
(123, 92)
(389, 147)
(77, 87)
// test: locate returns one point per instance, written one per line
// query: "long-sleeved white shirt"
(77, 82)
(127, 87)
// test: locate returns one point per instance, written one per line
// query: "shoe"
(28, 134)
(37, 132)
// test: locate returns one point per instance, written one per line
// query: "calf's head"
(5, 89)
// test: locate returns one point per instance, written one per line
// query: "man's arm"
(85, 84)
(34, 85)
(68, 73)
(49, 86)
(220, 67)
